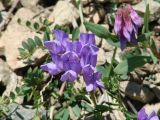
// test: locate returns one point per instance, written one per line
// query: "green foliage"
(75, 34)
(146, 20)
(97, 29)
(3, 107)
(29, 46)
(102, 32)
(62, 115)
(32, 85)
(131, 63)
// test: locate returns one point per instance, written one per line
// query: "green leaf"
(25, 45)
(38, 41)
(12, 95)
(31, 43)
(113, 40)
(45, 22)
(131, 63)
(103, 70)
(65, 115)
(75, 34)
(102, 32)
(36, 118)
(144, 37)
(77, 110)
(19, 21)
(153, 51)
(46, 36)
(87, 107)
(99, 30)
(146, 20)
(60, 114)
(36, 26)
(18, 90)
(28, 24)
(21, 50)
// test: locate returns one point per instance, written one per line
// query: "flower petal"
(86, 38)
(118, 21)
(69, 76)
(87, 72)
(61, 36)
(135, 17)
(126, 34)
(153, 116)
(127, 19)
(88, 59)
(133, 40)
(142, 115)
(89, 55)
(71, 62)
(56, 58)
(51, 68)
(89, 87)
(123, 42)
(100, 84)
(74, 46)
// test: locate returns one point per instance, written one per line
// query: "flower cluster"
(73, 58)
(142, 115)
(126, 25)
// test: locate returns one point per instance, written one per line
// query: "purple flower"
(91, 77)
(142, 115)
(126, 25)
(73, 59)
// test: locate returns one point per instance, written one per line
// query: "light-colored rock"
(154, 9)
(14, 35)
(1, 6)
(95, 12)
(106, 46)
(29, 3)
(7, 77)
(102, 58)
(136, 91)
(98, 40)
(25, 112)
(157, 78)
(86, 2)
(149, 108)
(39, 56)
(64, 14)
(118, 115)
(128, 1)
(110, 54)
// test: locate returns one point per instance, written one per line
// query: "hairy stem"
(113, 57)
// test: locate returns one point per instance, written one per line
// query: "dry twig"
(4, 22)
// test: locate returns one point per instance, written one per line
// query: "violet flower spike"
(142, 115)
(126, 25)
(73, 59)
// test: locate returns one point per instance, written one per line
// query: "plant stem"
(62, 88)
(113, 57)
(81, 15)
(93, 98)
(119, 98)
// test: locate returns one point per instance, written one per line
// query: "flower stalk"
(111, 65)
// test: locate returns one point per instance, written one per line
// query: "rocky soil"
(142, 88)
